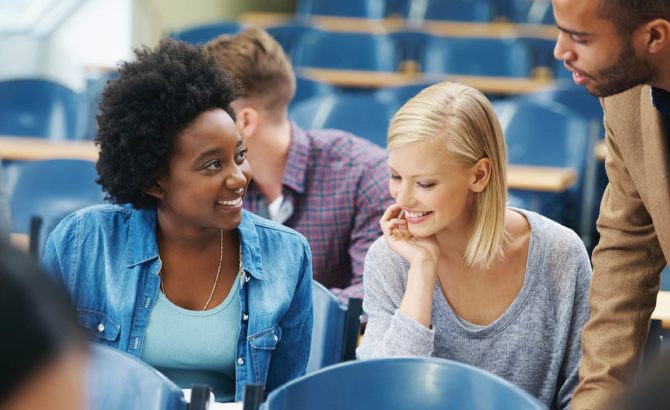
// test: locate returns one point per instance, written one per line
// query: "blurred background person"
(44, 356)
(328, 185)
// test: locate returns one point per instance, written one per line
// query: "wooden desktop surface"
(600, 150)
(24, 148)
(499, 29)
(662, 311)
(374, 79)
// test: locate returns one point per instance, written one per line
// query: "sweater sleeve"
(389, 332)
(569, 373)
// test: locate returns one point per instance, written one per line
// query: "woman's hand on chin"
(416, 250)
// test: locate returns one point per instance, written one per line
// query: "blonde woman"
(458, 275)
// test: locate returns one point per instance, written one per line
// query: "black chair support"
(352, 328)
(652, 348)
(35, 224)
(253, 396)
(199, 397)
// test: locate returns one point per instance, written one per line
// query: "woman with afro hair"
(176, 273)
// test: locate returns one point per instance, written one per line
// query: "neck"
(453, 239)
(175, 234)
(662, 80)
(268, 156)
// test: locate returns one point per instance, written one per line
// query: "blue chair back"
(399, 95)
(576, 98)
(305, 89)
(328, 330)
(39, 108)
(401, 384)
(533, 12)
(450, 10)
(287, 36)
(360, 115)
(350, 51)
(119, 381)
(489, 57)
(202, 34)
(49, 189)
(369, 9)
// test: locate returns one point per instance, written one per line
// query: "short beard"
(627, 72)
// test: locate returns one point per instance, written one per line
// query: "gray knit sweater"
(535, 344)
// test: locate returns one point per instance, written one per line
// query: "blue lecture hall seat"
(49, 190)
(40, 108)
(451, 10)
(549, 135)
(202, 34)
(489, 57)
(119, 381)
(533, 12)
(399, 95)
(369, 9)
(401, 384)
(358, 114)
(350, 51)
(305, 89)
(335, 332)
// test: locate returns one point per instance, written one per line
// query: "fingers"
(390, 213)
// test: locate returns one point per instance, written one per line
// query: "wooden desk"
(33, 149)
(373, 79)
(394, 24)
(662, 311)
(546, 179)
(600, 150)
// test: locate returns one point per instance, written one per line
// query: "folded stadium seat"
(560, 72)
(40, 108)
(202, 34)
(550, 135)
(119, 381)
(287, 36)
(305, 89)
(347, 51)
(48, 190)
(399, 95)
(368, 9)
(358, 114)
(407, 383)
(491, 57)
(335, 332)
(451, 10)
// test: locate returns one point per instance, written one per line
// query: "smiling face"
(433, 193)
(600, 58)
(208, 174)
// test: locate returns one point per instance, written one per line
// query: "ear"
(247, 121)
(658, 36)
(156, 190)
(481, 172)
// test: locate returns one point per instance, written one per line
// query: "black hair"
(38, 325)
(628, 15)
(146, 108)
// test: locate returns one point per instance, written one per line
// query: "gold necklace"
(162, 286)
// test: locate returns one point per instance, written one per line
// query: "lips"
(415, 217)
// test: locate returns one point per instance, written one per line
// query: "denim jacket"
(106, 258)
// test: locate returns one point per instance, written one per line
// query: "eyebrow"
(415, 176)
(572, 32)
(215, 151)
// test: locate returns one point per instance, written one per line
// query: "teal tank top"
(191, 347)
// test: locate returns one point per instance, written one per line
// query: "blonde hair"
(259, 62)
(461, 120)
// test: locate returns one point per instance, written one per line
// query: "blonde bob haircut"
(461, 122)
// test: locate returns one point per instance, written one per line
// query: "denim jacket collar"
(142, 245)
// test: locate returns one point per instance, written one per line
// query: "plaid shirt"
(338, 186)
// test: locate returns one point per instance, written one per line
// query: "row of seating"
(391, 52)
(519, 11)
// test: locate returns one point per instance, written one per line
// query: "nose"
(562, 50)
(235, 179)
(404, 196)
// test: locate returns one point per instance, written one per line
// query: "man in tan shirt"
(620, 51)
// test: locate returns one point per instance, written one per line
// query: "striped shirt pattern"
(337, 184)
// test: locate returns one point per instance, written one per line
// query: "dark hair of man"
(37, 323)
(628, 15)
(144, 111)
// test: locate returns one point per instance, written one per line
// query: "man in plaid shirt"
(329, 185)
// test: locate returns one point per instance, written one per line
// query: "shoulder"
(341, 146)
(97, 216)
(627, 102)
(269, 231)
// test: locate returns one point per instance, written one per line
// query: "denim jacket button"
(101, 328)
(245, 317)
(276, 338)
(240, 361)
(247, 279)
